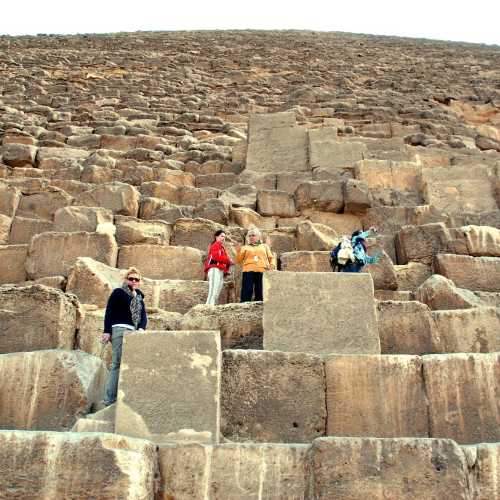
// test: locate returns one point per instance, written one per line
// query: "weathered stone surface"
(89, 219)
(43, 204)
(70, 465)
(276, 145)
(326, 196)
(421, 243)
(36, 317)
(405, 327)
(12, 267)
(240, 195)
(275, 203)
(381, 396)
(196, 233)
(48, 390)
(462, 390)
(163, 261)
(45, 154)
(355, 468)
(5, 224)
(52, 254)
(18, 155)
(331, 153)
(476, 241)
(240, 325)
(131, 231)
(170, 400)
(312, 237)
(412, 275)
(439, 292)
(383, 272)
(270, 396)
(473, 273)
(120, 198)
(239, 470)
(9, 199)
(246, 218)
(23, 229)
(305, 261)
(467, 330)
(337, 315)
(484, 470)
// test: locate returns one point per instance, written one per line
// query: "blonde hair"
(132, 270)
(255, 232)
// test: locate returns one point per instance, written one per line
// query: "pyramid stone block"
(320, 313)
(169, 386)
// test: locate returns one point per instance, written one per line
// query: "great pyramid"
(132, 149)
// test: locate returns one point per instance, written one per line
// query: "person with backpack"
(125, 312)
(216, 266)
(256, 258)
(350, 256)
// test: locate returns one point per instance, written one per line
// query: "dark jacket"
(118, 310)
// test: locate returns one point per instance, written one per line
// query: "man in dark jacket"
(125, 312)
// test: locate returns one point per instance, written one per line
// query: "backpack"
(342, 253)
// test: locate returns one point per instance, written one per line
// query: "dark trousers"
(352, 267)
(251, 282)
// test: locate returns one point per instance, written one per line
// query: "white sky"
(459, 20)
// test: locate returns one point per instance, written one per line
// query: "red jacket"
(217, 257)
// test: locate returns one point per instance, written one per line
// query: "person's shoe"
(108, 403)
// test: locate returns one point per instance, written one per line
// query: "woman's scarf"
(135, 304)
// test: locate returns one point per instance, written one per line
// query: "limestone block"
(53, 254)
(120, 198)
(18, 155)
(275, 203)
(87, 425)
(355, 468)
(462, 390)
(118, 142)
(357, 198)
(36, 317)
(476, 241)
(195, 233)
(312, 237)
(162, 190)
(405, 327)
(155, 208)
(381, 396)
(288, 182)
(473, 273)
(23, 229)
(259, 180)
(282, 240)
(336, 315)
(439, 292)
(340, 223)
(43, 204)
(90, 141)
(195, 196)
(180, 296)
(272, 396)
(326, 196)
(485, 470)
(236, 470)
(5, 225)
(240, 325)
(163, 261)
(170, 386)
(48, 390)
(421, 243)
(71, 465)
(12, 263)
(131, 231)
(240, 195)
(383, 272)
(275, 146)
(246, 218)
(412, 275)
(215, 210)
(219, 180)
(9, 199)
(332, 153)
(89, 219)
(467, 330)
(45, 154)
(305, 261)
(92, 324)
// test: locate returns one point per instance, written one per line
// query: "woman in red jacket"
(216, 266)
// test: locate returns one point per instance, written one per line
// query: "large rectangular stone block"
(463, 392)
(48, 390)
(36, 317)
(272, 396)
(333, 153)
(467, 330)
(169, 386)
(53, 254)
(12, 263)
(381, 469)
(473, 273)
(320, 313)
(484, 470)
(50, 465)
(191, 471)
(380, 396)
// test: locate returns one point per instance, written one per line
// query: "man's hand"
(105, 338)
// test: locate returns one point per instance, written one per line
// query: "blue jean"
(114, 372)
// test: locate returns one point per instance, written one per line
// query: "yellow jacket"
(257, 258)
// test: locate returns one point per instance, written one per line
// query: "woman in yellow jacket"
(256, 258)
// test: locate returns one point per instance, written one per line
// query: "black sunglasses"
(134, 279)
